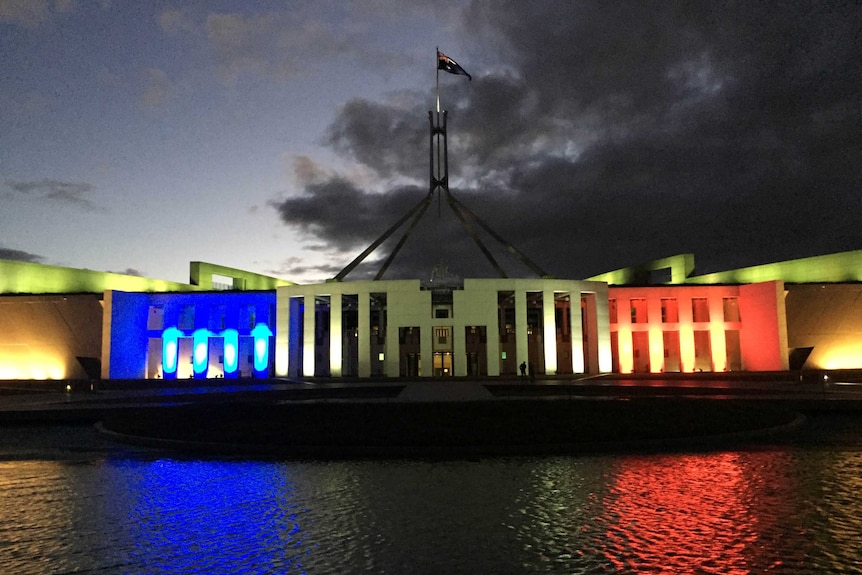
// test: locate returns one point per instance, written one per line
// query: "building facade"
(488, 327)
(58, 323)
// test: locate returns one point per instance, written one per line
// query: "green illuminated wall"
(680, 267)
(201, 274)
(832, 268)
(29, 278)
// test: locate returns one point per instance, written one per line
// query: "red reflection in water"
(683, 514)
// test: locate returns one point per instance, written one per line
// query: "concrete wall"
(827, 318)
(42, 336)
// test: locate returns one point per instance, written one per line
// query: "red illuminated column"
(716, 333)
(656, 341)
(624, 344)
(686, 336)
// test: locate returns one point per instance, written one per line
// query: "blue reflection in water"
(213, 517)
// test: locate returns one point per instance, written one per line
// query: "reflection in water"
(216, 510)
(787, 510)
(687, 514)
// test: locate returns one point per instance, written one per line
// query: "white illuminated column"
(308, 332)
(335, 335)
(549, 332)
(576, 331)
(522, 344)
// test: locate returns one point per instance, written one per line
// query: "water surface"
(74, 501)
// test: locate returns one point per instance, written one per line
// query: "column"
(686, 335)
(364, 334)
(717, 341)
(336, 335)
(522, 344)
(282, 335)
(549, 335)
(656, 336)
(575, 325)
(308, 329)
(459, 350)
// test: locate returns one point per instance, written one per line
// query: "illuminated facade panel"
(416, 317)
(687, 328)
(187, 344)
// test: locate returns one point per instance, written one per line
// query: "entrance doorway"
(442, 363)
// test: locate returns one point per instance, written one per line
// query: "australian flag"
(446, 63)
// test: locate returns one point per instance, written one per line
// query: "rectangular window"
(222, 283)
(441, 313)
(187, 317)
(156, 317)
(639, 310)
(669, 311)
(247, 317)
(612, 310)
(731, 309)
(216, 319)
(699, 309)
(442, 334)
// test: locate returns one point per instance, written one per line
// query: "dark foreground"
(301, 419)
(511, 427)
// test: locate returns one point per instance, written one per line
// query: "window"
(612, 310)
(187, 317)
(247, 317)
(216, 319)
(699, 309)
(731, 309)
(669, 311)
(156, 317)
(441, 313)
(639, 310)
(442, 334)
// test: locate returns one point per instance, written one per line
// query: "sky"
(285, 137)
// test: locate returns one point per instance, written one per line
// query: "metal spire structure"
(439, 183)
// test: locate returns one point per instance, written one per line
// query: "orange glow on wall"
(718, 346)
(686, 347)
(626, 358)
(656, 349)
(25, 364)
(840, 355)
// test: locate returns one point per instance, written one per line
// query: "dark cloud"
(130, 272)
(20, 256)
(598, 135)
(343, 214)
(70, 193)
(366, 131)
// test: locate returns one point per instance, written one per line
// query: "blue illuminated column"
(261, 334)
(231, 353)
(170, 352)
(200, 352)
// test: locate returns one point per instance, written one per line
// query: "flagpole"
(437, 66)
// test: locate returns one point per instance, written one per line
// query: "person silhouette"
(523, 369)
